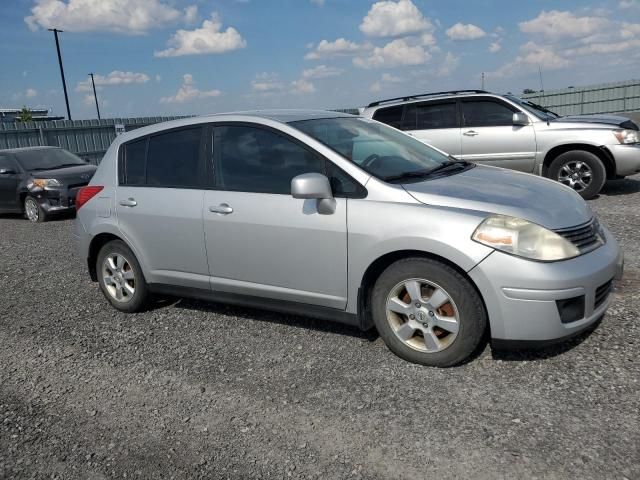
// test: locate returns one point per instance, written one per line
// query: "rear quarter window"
(392, 116)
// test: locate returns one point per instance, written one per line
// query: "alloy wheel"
(576, 174)
(119, 278)
(31, 210)
(422, 315)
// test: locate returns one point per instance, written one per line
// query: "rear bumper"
(627, 158)
(522, 296)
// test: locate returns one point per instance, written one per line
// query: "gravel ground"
(191, 390)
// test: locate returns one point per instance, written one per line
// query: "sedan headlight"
(43, 183)
(627, 136)
(524, 239)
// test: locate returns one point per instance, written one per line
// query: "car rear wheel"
(120, 277)
(580, 170)
(33, 211)
(428, 313)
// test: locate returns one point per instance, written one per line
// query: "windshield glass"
(47, 159)
(538, 110)
(376, 148)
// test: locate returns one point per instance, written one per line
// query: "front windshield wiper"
(67, 165)
(541, 108)
(450, 165)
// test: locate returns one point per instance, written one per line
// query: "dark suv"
(40, 181)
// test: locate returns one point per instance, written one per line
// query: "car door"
(260, 240)
(9, 178)
(159, 205)
(434, 123)
(490, 137)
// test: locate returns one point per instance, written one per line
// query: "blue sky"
(154, 57)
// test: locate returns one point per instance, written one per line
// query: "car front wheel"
(580, 170)
(33, 211)
(428, 313)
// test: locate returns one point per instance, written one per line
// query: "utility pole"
(482, 80)
(95, 95)
(64, 83)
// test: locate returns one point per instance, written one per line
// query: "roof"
(27, 149)
(428, 96)
(286, 116)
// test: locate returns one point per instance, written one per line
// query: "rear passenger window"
(486, 113)
(425, 116)
(391, 116)
(133, 162)
(250, 159)
(173, 159)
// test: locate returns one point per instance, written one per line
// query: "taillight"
(86, 193)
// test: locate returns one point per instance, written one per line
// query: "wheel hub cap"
(422, 315)
(575, 174)
(119, 278)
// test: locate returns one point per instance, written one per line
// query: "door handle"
(470, 133)
(222, 209)
(129, 202)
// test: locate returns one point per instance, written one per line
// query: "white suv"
(581, 152)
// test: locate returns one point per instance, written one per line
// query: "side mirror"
(314, 186)
(520, 119)
(7, 171)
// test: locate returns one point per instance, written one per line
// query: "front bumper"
(521, 295)
(55, 199)
(627, 158)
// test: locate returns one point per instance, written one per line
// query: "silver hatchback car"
(344, 218)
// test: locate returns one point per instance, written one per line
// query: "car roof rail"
(424, 95)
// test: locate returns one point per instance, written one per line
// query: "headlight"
(43, 183)
(524, 239)
(627, 136)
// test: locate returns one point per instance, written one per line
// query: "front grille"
(585, 236)
(602, 292)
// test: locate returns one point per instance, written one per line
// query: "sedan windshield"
(378, 149)
(48, 159)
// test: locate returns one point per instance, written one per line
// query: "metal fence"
(88, 139)
(617, 97)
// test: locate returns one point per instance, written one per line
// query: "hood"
(496, 190)
(616, 120)
(80, 174)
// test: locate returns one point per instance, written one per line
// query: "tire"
(435, 278)
(128, 291)
(33, 211)
(579, 162)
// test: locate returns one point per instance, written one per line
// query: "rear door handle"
(470, 133)
(222, 209)
(129, 202)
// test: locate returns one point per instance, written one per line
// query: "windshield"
(376, 148)
(538, 110)
(47, 159)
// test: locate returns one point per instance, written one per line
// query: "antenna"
(542, 89)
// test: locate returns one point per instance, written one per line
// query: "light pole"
(64, 83)
(95, 95)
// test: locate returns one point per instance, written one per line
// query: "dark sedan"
(41, 181)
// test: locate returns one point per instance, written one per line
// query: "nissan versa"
(344, 218)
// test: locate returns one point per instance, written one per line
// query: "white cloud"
(448, 65)
(495, 46)
(627, 4)
(302, 86)
(266, 83)
(395, 53)
(188, 92)
(30, 93)
(386, 79)
(158, 78)
(555, 24)
(208, 39)
(461, 31)
(338, 48)
(114, 78)
(129, 17)
(321, 71)
(531, 57)
(391, 19)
